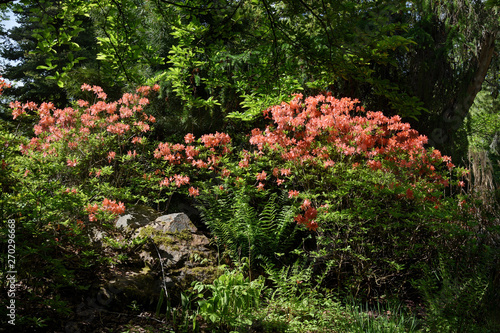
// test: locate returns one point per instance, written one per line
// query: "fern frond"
(244, 230)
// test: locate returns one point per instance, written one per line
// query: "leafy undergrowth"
(286, 299)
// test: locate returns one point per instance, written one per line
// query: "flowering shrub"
(363, 182)
(324, 135)
(82, 155)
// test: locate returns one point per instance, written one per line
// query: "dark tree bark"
(445, 135)
(471, 88)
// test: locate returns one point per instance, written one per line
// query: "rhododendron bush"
(363, 183)
(83, 159)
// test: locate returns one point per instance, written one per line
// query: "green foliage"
(230, 300)
(382, 318)
(312, 312)
(124, 30)
(482, 124)
(293, 282)
(299, 304)
(461, 291)
(244, 229)
(62, 21)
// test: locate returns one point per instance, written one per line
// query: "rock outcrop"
(168, 253)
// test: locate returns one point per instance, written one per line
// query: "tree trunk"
(470, 88)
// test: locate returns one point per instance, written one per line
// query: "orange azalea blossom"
(113, 207)
(262, 175)
(136, 140)
(143, 127)
(189, 138)
(310, 213)
(178, 147)
(285, 172)
(165, 182)
(374, 165)
(226, 173)
(111, 156)
(72, 163)
(92, 208)
(200, 164)
(191, 152)
(194, 192)
(112, 118)
(119, 128)
(180, 180)
(306, 204)
(307, 218)
(312, 225)
(243, 163)
(329, 163)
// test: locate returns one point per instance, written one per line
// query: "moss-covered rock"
(172, 256)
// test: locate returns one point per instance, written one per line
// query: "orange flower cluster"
(113, 207)
(303, 128)
(74, 125)
(317, 131)
(179, 180)
(217, 139)
(307, 219)
(3, 85)
(322, 129)
(194, 192)
(176, 154)
(108, 206)
(71, 135)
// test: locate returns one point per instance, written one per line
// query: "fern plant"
(243, 229)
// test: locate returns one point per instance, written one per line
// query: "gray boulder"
(135, 217)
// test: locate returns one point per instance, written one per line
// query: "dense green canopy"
(424, 60)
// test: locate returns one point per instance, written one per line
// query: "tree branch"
(173, 3)
(473, 86)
